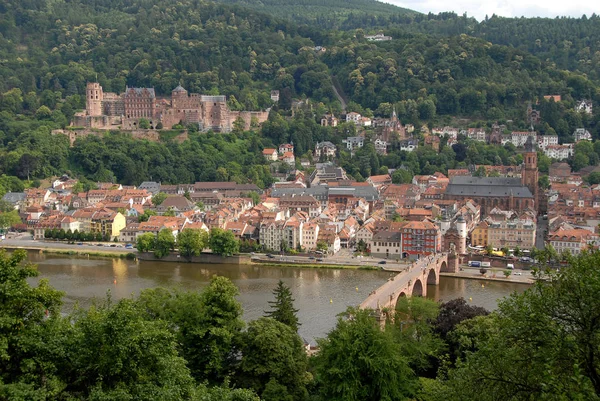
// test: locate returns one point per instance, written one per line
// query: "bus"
(474, 263)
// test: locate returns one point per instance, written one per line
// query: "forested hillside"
(568, 43)
(324, 13)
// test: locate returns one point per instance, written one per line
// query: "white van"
(510, 266)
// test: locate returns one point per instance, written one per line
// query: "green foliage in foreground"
(282, 309)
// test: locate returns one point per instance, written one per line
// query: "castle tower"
(179, 97)
(529, 172)
(461, 226)
(93, 99)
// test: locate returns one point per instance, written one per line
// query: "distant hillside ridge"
(324, 13)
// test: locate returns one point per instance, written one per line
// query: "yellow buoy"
(482, 285)
(330, 300)
(470, 299)
(356, 288)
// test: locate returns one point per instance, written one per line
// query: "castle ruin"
(112, 111)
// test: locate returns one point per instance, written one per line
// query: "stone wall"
(207, 258)
(150, 135)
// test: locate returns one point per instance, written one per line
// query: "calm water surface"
(320, 294)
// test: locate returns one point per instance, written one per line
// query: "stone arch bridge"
(412, 281)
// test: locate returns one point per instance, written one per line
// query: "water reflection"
(320, 294)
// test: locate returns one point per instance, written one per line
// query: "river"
(320, 294)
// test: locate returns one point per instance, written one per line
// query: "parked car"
(311, 257)
(510, 266)
(319, 260)
(128, 246)
(383, 262)
(270, 256)
(80, 243)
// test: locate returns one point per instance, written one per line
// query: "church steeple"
(529, 171)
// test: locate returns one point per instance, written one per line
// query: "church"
(516, 194)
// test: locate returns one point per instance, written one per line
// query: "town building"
(270, 154)
(581, 134)
(559, 152)
(544, 141)
(288, 158)
(571, 240)
(353, 117)
(584, 106)
(354, 142)
(378, 37)
(329, 120)
(279, 235)
(476, 134)
(301, 203)
(518, 138)
(380, 146)
(512, 233)
(325, 148)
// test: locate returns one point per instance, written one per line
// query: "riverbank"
(471, 276)
(74, 252)
(314, 265)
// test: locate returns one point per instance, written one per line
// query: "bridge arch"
(433, 277)
(418, 290)
(443, 266)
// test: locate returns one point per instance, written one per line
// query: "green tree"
(361, 246)
(30, 347)
(164, 244)
(544, 182)
(255, 197)
(207, 326)
(420, 343)
(6, 206)
(397, 218)
(192, 242)
(118, 354)
(9, 219)
(144, 123)
(170, 213)
(554, 324)
(274, 363)
(146, 242)
(159, 198)
(282, 309)
(322, 246)
(360, 361)
(223, 242)
(146, 215)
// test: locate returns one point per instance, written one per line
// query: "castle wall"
(150, 135)
(247, 116)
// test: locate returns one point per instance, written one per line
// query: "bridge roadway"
(412, 281)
